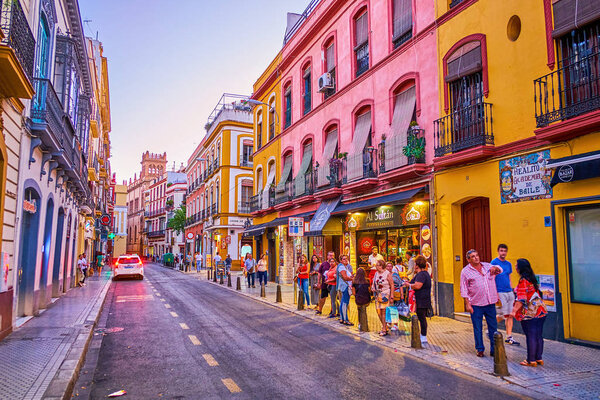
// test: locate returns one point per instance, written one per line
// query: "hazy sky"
(170, 61)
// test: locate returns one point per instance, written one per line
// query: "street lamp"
(255, 103)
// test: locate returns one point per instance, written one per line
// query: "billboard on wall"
(525, 178)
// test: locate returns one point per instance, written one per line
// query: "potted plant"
(414, 126)
(207, 126)
(414, 149)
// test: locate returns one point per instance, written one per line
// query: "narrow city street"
(185, 338)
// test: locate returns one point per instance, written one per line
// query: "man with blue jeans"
(478, 288)
(250, 266)
(344, 275)
(505, 292)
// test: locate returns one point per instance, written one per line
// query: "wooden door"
(476, 228)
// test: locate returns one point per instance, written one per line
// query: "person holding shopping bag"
(531, 311)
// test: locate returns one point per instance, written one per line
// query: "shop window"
(361, 43)
(402, 21)
(583, 236)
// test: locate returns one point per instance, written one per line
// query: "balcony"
(304, 187)
(567, 93)
(156, 234)
(362, 58)
(465, 128)
(246, 162)
(214, 209)
(359, 170)
(402, 158)
(17, 52)
(93, 168)
(244, 207)
(150, 214)
(284, 196)
(262, 202)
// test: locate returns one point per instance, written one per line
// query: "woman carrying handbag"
(531, 311)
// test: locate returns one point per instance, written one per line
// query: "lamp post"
(255, 103)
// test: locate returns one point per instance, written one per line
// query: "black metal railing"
(214, 209)
(150, 214)
(454, 3)
(153, 234)
(17, 34)
(245, 162)
(307, 11)
(244, 207)
(400, 39)
(329, 175)
(360, 166)
(305, 184)
(46, 107)
(362, 58)
(464, 128)
(392, 156)
(256, 203)
(330, 92)
(287, 194)
(570, 91)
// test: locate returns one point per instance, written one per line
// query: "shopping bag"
(391, 315)
(403, 309)
(411, 301)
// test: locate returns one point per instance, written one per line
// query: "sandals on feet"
(526, 363)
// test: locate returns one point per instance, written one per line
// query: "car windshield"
(128, 260)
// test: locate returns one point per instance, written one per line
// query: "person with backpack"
(362, 297)
(531, 311)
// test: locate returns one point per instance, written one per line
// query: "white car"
(129, 265)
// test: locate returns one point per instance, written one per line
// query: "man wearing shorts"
(323, 268)
(505, 292)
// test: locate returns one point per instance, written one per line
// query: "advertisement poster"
(547, 288)
(426, 249)
(208, 261)
(525, 178)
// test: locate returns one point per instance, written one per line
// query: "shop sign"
(296, 226)
(414, 213)
(105, 219)
(208, 261)
(29, 206)
(548, 289)
(228, 239)
(525, 178)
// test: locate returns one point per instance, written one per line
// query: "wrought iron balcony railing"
(256, 203)
(287, 194)
(360, 166)
(244, 207)
(362, 58)
(305, 184)
(17, 34)
(329, 174)
(391, 150)
(155, 234)
(464, 128)
(570, 91)
(214, 209)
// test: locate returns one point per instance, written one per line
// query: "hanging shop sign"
(29, 206)
(414, 213)
(296, 226)
(525, 178)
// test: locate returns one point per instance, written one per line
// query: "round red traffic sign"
(105, 219)
(190, 235)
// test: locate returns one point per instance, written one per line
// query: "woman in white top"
(383, 287)
(262, 270)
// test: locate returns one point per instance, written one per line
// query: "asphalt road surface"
(182, 338)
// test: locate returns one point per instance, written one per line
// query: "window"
(43, 48)
(306, 77)
(287, 98)
(246, 159)
(303, 181)
(330, 66)
(272, 119)
(361, 43)
(402, 21)
(259, 130)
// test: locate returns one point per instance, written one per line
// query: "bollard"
(500, 365)
(229, 280)
(238, 285)
(415, 338)
(278, 298)
(214, 275)
(208, 274)
(221, 279)
(262, 290)
(300, 300)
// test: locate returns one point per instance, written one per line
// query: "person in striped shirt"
(478, 288)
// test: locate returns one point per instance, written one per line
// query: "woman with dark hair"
(421, 284)
(315, 263)
(302, 274)
(362, 297)
(530, 309)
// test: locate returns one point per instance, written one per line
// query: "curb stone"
(505, 383)
(63, 382)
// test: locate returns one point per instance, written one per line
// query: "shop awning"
(255, 230)
(390, 199)
(322, 216)
(574, 168)
(284, 220)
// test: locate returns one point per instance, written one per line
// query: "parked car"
(129, 265)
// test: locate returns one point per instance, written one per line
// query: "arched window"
(360, 163)
(259, 129)
(361, 41)
(304, 181)
(259, 179)
(404, 112)
(287, 103)
(401, 21)
(330, 151)
(329, 66)
(306, 88)
(272, 117)
(286, 172)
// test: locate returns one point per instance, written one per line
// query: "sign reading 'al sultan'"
(387, 216)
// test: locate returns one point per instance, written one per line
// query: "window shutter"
(402, 17)
(330, 57)
(362, 29)
(465, 61)
(573, 14)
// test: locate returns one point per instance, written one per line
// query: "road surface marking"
(167, 306)
(174, 314)
(162, 300)
(124, 299)
(183, 325)
(230, 384)
(157, 294)
(210, 360)
(194, 340)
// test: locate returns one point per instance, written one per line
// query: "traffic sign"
(190, 235)
(105, 219)
(296, 226)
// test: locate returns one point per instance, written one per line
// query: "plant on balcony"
(178, 222)
(207, 126)
(169, 184)
(414, 125)
(414, 149)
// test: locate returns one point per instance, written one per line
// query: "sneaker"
(511, 341)
(331, 316)
(423, 339)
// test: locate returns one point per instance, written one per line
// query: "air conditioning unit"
(325, 82)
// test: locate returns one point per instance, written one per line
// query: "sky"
(170, 61)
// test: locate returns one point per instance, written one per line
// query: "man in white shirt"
(198, 261)
(374, 257)
(83, 265)
(411, 265)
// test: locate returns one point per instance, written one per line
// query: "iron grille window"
(272, 122)
(259, 135)
(361, 51)
(307, 91)
(288, 107)
(466, 91)
(330, 65)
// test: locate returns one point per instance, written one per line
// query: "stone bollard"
(300, 300)
(278, 298)
(214, 276)
(415, 333)
(208, 275)
(229, 280)
(262, 290)
(221, 279)
(238, 285)
(500, 365)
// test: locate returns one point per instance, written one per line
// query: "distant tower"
(153, 165)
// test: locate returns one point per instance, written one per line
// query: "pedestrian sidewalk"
(41, 359)
(570, 371)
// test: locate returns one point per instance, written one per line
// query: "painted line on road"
(183, 325)
(167, 306)
(174, 314)
(194, 340)
(210, 360)
(157, 294)
(231, 385)
(162, 300)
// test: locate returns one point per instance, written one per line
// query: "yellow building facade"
(512, 167)
(267, 168)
